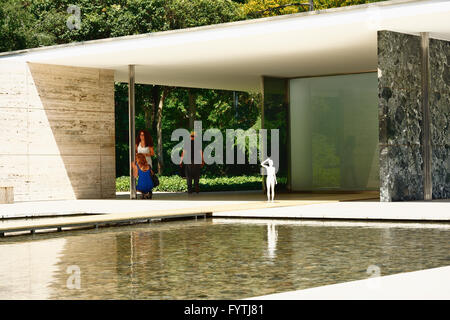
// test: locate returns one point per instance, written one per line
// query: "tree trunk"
(156, 98)
(192, 108)
(148, 118)
(159, 129)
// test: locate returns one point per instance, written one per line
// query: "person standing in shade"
(193, 169)
(144, 145)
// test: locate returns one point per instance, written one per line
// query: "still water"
(212, 259)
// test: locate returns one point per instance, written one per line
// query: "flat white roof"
(235, 55)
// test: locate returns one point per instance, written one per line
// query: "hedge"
(177, 184)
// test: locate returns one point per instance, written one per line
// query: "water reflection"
(212, 259)
(272, 237)
(26, 269)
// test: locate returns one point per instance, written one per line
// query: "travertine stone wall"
(56, 131)
(6, 195)
(401, 116)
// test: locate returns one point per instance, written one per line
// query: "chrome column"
(426, 137)
(132, 128)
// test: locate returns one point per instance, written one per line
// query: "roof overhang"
(235, 55)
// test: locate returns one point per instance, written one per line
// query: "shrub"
(178, 184)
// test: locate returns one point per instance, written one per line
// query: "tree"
(159, 113)
(325, 4)
(16, 23)
(266, 8)
(184, 14)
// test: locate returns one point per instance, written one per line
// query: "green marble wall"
(401, 116)
(440, 117)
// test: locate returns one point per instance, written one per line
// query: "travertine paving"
(337, 206)
(70, 213)
(431, 284)
(354, 210)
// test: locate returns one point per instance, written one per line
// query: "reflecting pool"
(212, 259)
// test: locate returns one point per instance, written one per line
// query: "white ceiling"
(234, 56)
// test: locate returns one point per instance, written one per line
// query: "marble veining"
(401, 116)
(440, 117)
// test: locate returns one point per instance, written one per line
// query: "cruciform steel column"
(426, 141)
(132, 128)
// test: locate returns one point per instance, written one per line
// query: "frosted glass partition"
(334, 132)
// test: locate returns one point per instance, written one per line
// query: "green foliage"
(215, 108)
(16, 22)
(123, 184)
(32, 23)
(325, 4)
(207, 183)
(258, 8)
(99, 19)
(192, 13)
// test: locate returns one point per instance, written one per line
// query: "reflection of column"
(272, 237)
(132, 262)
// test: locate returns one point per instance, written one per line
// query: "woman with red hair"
(142, 171)
(144, 145)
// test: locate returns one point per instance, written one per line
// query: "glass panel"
(334, 132)
(275, 117)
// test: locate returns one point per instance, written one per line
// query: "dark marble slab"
(402, 169)
(399, 84)
(440, 117)
(400, 53)
(400, 116)
(440, 171)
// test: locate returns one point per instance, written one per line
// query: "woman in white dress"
(144, 145)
